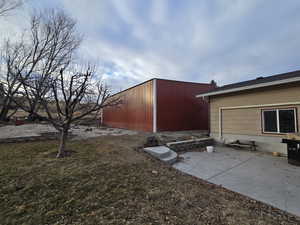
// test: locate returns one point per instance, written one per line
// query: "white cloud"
(158, 11)
(118, 61)
(225, 40)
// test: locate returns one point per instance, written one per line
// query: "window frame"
(278, 121)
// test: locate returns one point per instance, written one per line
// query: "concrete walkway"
(262, 177)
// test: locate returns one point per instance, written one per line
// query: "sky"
(132, 41)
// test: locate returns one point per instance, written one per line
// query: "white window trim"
(278, 122)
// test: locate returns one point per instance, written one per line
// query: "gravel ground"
(80, 132)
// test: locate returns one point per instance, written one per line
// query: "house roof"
(255, 83)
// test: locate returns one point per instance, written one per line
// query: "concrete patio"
(257, 175)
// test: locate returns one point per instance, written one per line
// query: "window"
(279, 121)
(287, 121)
(270, 121)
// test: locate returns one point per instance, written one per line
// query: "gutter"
(266, 84)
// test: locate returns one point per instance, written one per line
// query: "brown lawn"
(107, 181)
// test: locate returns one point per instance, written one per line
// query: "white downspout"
(101, 114)
(220, 123)
(154, 126)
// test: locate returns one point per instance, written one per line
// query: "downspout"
(101, 118)
(154, 125)
(220, 123)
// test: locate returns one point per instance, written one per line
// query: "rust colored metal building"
(160, 105)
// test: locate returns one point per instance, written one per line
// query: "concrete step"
(159, 151)
(163, 153)
(172, 158)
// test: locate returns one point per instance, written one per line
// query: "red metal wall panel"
(136, 112)
(179, 109)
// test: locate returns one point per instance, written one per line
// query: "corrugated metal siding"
(178, 108)
(136, 112)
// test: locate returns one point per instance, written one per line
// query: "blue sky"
(225, 40)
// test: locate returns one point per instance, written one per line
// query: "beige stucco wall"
(248, 121)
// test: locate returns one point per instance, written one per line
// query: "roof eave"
(266, 84)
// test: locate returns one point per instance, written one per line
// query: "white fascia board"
(278, 82)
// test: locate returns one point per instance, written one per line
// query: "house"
(160, 105)
(262, 110)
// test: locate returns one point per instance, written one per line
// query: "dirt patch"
(79, 132)
(108, 181)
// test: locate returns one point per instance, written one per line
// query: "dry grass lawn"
(107, 181)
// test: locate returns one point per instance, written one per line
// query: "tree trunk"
(3, 113)
(32, 117)
(5, 109)
(63, 138)
(33, 108)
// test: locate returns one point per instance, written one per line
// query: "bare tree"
(73, 95)
(9, 5)
(50, 47)
(11, 57)
(5, 103)
(55, 38)
(38, 69)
